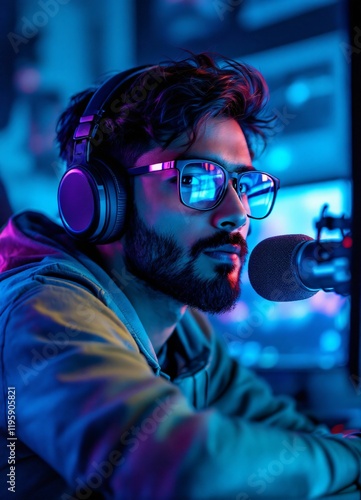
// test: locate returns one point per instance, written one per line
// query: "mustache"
(218, 240)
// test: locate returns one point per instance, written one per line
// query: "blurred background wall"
(51, 49)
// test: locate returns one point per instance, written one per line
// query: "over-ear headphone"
(92, 199)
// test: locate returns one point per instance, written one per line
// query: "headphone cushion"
(92, 202)
(117, 206)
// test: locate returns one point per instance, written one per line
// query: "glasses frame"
(181, 164)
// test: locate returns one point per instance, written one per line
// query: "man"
(122, 389)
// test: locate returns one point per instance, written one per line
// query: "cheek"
(246, 230)
(159, 207)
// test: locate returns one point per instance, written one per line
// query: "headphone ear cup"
(116, 206)
(92, 202)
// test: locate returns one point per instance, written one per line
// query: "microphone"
(295, 267)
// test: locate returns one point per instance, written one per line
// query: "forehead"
(218, 139)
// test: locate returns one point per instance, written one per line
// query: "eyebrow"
(231, 167)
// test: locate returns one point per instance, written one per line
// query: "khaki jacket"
(98, 415)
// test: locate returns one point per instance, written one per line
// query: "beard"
(158, 261)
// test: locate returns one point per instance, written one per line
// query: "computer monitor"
(311, 334)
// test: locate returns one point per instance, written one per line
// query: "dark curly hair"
(169, 100)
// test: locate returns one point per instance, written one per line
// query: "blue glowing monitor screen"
(305, 334)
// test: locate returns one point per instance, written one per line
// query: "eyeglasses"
(203, 184)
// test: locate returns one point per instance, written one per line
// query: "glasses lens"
(259, 188)
(201, 185)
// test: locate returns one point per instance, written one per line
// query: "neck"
(158, 312)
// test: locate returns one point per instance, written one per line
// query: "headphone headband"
(95, 109)
(106, 91)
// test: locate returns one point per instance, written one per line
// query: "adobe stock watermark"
(256, 319)
(130, 440)
(118, 281)
(121, 106)
(30, 25)
(284, 118)
(265, 476)
(349, 50)
(57, 342)
(223, 7)
(259, 312)
(261, 309)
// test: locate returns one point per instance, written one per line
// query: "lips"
(228, 249)
(227, 254)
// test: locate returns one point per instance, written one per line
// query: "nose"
(230, 213)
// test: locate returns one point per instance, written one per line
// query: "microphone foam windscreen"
(272, 269)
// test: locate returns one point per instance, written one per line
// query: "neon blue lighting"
(330, 340)
(279, 158)
(298, 93)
